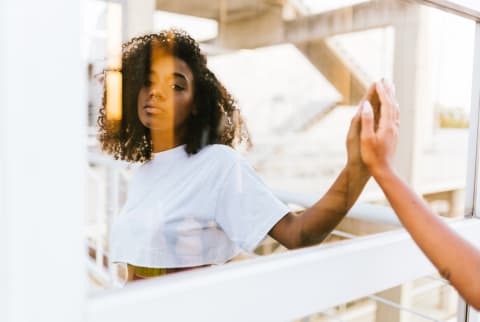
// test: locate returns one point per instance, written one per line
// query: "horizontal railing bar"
(318, 277)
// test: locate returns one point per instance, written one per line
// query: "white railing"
(109, 180)
(296, 284)
(107, 276)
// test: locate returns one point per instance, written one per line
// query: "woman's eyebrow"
(174, 74)
(177, 74)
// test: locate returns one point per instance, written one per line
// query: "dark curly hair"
(216, 121)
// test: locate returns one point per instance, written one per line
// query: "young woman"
(195, 201)
(456, 259)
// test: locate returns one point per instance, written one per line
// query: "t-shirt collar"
(169, 154)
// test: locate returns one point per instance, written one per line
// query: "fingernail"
(389, 83)
(380, 84)
(359, 109)
(367, 108)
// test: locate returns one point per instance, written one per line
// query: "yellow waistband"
(148, 271)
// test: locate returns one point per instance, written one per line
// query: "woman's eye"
(147, 83)
(177, 87)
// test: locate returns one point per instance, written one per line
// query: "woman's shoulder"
(221, 152)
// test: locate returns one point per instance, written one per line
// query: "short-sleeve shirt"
(194, 210)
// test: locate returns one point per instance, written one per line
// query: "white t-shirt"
(193, 210)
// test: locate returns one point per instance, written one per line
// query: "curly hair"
(217, 120)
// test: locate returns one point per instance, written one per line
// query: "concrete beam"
(338, 73)
(254, 29)
(252, 23)
(210, 9)
(364, 16)
(414, 77)
(268, 27)
(198, 8)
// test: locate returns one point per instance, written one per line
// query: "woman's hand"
(353, 137)
(316, 222)
(378, 146)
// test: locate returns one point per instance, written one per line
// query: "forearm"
(321, 218)
(456, 259)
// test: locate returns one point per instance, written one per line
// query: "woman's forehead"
(163, 63)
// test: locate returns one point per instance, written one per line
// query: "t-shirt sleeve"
(246, 209)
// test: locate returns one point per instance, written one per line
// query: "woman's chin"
(159, 125)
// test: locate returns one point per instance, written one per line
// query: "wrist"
(358, 169)
(382, 172)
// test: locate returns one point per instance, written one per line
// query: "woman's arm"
(456, 259)
(316, 222)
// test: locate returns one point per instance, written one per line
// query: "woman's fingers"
(372, 96)
(387, 108)
(355, 123)
(397, 113)
(381, 96)
(370, 93)
(367, 132)
(390, 89)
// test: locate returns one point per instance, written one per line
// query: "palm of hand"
(379, 134)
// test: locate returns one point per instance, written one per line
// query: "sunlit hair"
(217, 119)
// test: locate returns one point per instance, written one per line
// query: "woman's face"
(166, 100)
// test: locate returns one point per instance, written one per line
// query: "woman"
(195, 201)
(456, 259)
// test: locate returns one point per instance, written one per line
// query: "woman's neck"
(165, 140)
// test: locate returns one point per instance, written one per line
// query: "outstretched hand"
(378, 145)
(353, 136)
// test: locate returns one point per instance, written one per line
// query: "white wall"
(42, 161)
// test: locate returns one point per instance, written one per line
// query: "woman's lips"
(154, 110)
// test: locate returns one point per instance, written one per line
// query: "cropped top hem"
(159, 259)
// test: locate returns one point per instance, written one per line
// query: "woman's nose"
(158, 92)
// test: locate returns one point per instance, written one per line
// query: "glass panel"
(297, 81)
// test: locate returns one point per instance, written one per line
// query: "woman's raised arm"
(456, 259)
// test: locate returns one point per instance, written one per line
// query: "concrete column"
(414, 77)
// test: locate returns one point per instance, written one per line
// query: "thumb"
(367, 121)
